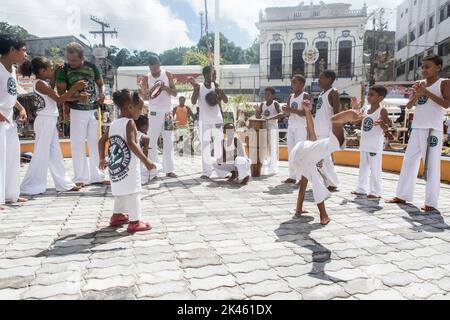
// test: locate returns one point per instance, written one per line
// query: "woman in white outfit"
(47, 151)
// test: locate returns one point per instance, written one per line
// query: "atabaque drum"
(257, 145)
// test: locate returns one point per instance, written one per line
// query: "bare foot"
(300, 212)
(428, 209)
(204, 177)
(75, 189)
(80, 184)
(396, 200)
(1, 208)
(332, 189)
(358, 194)
(172, 175)
(245, 181)
(22, 200)
(325, 222)
(233, 177)
(372, 197)
(289, 181)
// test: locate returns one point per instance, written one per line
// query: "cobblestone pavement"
(213, 240)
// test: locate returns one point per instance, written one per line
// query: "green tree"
(20, 32)
(251, 55)
(56, 56)
(196, 57)
(230, 53)
(173, 57)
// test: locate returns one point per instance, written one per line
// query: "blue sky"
(155, 25)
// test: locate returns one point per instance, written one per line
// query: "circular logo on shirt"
(320, 164)
(373, 154)
(422, 100)
(267, 113)
(319, 103)
(294, 105)
(434, 141)
(91, 91)
(368, 124)
(12, 87)
(39, 103)
(119, 158)
(96, 115)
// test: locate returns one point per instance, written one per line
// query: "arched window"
(298, 64)
(276, 61)
(322, 63)
(345, 67)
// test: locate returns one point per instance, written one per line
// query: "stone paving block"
(427, 274)
(266, 288)
(206, 272)
(46, 279)
(161, 276)
(419, 291)
(381, 295)
(115, 294)
(362, 286)
(399, 279)
(15, 282)
(109, 283)
(161, 289)
(224, 293)
(256, 277)
(43, 292)
(211, 283)
(248, 266)
(324, 292)
(11, 294)
(281, 296)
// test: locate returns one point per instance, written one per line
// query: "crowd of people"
(129, 148)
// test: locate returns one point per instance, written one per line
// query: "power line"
(103, 32)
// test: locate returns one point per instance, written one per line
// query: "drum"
(257, 145)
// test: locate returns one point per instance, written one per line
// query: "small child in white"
(234, 159)
(125, 156)
(374, 127)
(270, 110)
(308, 154)
(47, 151)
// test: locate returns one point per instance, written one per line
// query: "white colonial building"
(333, 34)
(423, 27)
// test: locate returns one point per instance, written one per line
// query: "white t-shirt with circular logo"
(124, 165)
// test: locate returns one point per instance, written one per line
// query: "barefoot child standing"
(431, 97)
(47, 154)
(125, 157)
(270, 110)
(12, 51)
(297, 123)
(307, 154)
(374, 126)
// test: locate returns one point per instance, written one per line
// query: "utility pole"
(206, 17)
(202, 25)
(103, 32)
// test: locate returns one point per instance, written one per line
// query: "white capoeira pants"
(305, 159)
(156, 129)
(370, 164)
(241, 165)
(294, 136)
(417, 149)
(9, 163)
(47, 155)
(84, 125)
(328, 169)
(208, 132)
(272, 163)
(129, 204)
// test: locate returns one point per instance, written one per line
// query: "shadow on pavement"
(74, 244)
(320, 254)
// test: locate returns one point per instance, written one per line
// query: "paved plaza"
(215, 240)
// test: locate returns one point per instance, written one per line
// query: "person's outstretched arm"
(307, 106)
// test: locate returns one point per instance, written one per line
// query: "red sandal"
(118, 220)
(139, 226)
